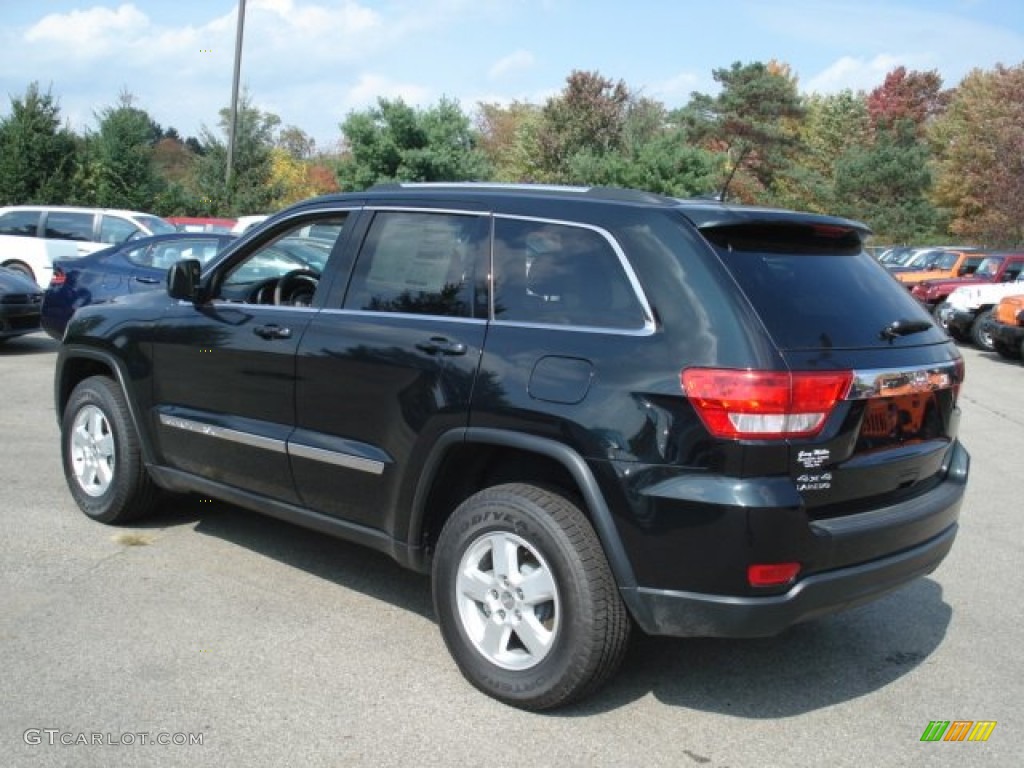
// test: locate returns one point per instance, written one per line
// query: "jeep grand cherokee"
(581, 410)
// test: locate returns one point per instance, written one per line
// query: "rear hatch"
(873, 381)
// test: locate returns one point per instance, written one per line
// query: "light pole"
(234, 95)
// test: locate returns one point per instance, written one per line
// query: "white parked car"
(32, 237)
(246, 223)
(967, 313)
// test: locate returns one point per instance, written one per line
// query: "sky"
(312, 62)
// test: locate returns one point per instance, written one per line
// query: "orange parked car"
(1008, 328)
(949, 264)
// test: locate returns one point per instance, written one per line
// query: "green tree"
(886, 185)
(665, 165)
(395, 142)
(508, 139)
(250, 190)
(38, 155)
(588, 116)
(833, 124)
(979, 146)
(296, 142)
(122, 151)
(753, 121)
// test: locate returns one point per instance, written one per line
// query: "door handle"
(438, 345)
(272, 332)
(147, 280)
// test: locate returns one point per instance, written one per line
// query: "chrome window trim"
(403, 315)
(419, 209)
(872, 382)
(346, 460)
(648, 326)
(223, 303)
(223, 433)
(635, 332)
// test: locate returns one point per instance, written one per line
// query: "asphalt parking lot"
(273, 645)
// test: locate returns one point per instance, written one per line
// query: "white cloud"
(366, 90)
(859, 74)
(88, 34)
(515, 62)
(675, 90)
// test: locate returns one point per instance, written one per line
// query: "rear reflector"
(763, 405)
(772, 574)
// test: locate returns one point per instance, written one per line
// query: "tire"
(23, 269)
(548, 644)
(1008, 351)
(981, 330)
(100, 450)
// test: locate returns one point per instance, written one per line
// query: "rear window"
(156, 225)
(815, 288)
(22, 223)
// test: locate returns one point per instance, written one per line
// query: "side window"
(22, 223)
(162, 255)
(114, 230)
(556, 274)
(141, 256)
(69, 225)
(421, 263)
(285, 269)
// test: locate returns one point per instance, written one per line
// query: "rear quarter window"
(815, 288)
(21, 223)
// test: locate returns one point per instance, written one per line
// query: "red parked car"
(996, 268)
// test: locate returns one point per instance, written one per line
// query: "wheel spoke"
(105, 445)
(534, 635)
(494, 641)
(505, 555)
(96, 424)
(474, 584)
(538, 587)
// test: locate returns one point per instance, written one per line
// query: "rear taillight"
(762, 405)
(58, 279)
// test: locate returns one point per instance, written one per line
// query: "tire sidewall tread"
(132, 494)
(594, 626)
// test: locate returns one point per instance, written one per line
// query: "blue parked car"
(134, 266)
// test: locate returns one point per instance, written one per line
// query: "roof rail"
(606, 193)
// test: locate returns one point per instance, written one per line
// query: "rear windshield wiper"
(903, 328)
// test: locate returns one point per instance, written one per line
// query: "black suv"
(580, 409)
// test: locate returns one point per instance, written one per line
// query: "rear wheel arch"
(467, 461)
(21, 267)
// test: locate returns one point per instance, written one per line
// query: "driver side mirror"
(183, 280)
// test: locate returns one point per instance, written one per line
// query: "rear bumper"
(932, 516)
(18, 319)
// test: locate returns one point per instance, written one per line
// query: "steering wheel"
(296, 288)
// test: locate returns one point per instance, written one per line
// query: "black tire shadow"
(809, 667)
(340, 562)
(37, 343)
